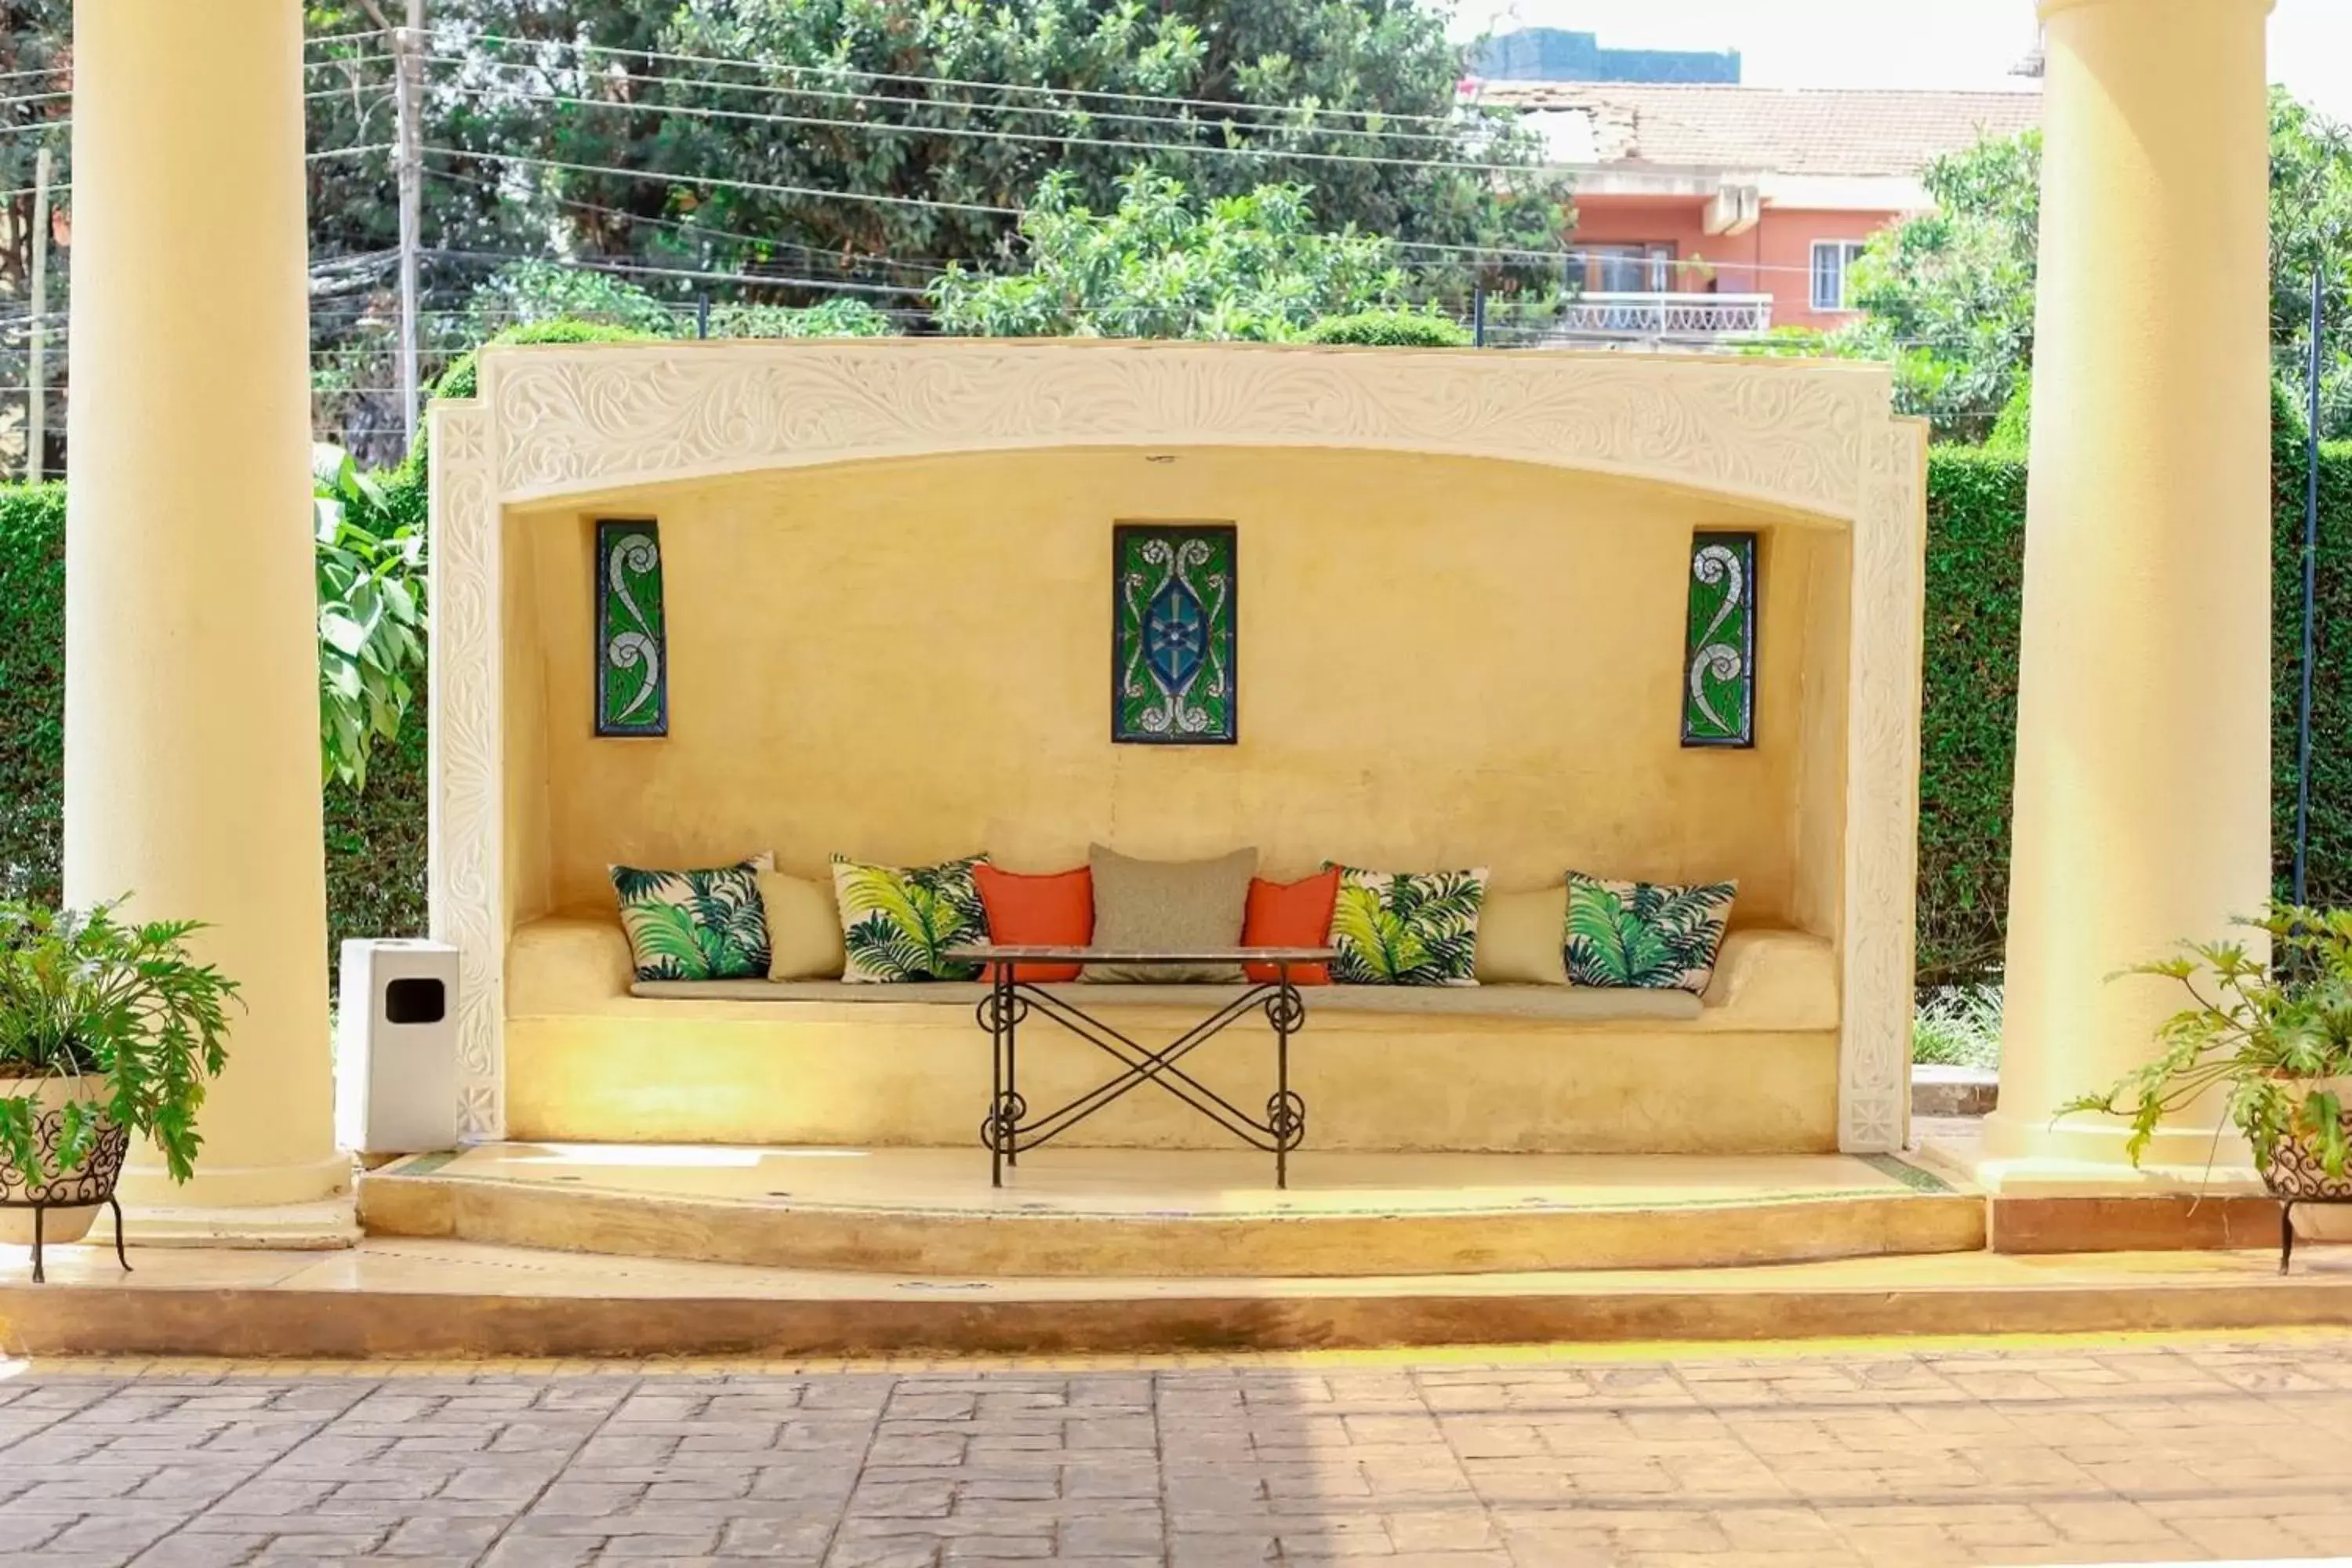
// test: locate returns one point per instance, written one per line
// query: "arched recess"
(1812, 437)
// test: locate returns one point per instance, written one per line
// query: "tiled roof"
(1786, 130)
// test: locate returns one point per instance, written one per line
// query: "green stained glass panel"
(632, 655)
(1720, 652)
(1174, 647)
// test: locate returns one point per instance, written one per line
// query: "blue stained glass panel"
(1173, 670)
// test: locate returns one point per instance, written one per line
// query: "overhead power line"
(711, 231)
(632, 268)
(1226, 106)
(759, 186)
(1061, 111)
(974, 132)
(720, 182)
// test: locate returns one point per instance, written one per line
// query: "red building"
(1711, 211)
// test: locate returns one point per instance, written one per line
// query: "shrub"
(1391, 329)
(33, 685)
(1976, 571)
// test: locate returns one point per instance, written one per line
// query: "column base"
(146, 1185)
(2042, 1203)
(325, 1227)
(2089, 1156)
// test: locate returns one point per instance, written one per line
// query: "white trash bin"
(396, 1047)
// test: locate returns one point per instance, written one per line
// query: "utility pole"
(408, 57)
(37, 393)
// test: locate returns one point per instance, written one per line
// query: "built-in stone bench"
(594, 1057)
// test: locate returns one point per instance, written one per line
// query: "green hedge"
(375, 839)
(32, 687)
(1976, 559)
(1975, 536)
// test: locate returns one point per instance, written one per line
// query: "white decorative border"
(467, 837)
(564, 420)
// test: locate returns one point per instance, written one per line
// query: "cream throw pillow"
(804, 927)
(1523, 938)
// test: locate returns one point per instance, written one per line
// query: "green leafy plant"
(1253, 266)
(371, 614)
(1957, 1025)
(2260, 1030)
(86, 994)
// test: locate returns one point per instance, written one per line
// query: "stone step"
(386, 1300)
(1098, 1214)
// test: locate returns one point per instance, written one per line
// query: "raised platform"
(387, 1300)
(1100, 1214)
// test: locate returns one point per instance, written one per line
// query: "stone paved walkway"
(2139, 1451)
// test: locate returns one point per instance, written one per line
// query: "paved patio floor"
(2148, 1449)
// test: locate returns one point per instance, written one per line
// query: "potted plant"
(108, 1028)
(2273, 1036)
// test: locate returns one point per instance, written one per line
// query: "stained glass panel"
(632, 655)
(1173, 643)
(1720, 653)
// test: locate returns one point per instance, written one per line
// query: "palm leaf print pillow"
(696, 925)
(1407, 928)
(898, 923)
(1646, 936)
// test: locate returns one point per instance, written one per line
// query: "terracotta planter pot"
(71, 1201)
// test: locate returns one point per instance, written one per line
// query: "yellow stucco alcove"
(1461, 600)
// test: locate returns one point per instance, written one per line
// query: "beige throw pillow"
(1523, 938)
(804, 927)
(1168, 905)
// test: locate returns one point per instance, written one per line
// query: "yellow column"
(191, 700)
(2143, 755)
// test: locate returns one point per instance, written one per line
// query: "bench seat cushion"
(1554, 1002)
(1766, 980)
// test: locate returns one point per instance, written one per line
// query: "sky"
(1895, 43)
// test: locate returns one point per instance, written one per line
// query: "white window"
(1834, 261)
(1631, 269)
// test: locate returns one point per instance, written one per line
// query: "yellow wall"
(1444, 662)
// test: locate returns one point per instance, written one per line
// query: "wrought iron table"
(1008, 1128)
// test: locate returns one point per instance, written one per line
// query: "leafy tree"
(36, 53)
(1948, 296)
(542, 293)
(852, 148)
(1250, 266)
(877, 90)
(2311, 222)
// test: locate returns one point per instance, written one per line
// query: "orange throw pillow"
(1291, 914)
(1057, 910)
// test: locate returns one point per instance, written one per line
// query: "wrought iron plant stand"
(2296, 1176)
(88, 1187)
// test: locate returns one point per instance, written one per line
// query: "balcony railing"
(1599, 315)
